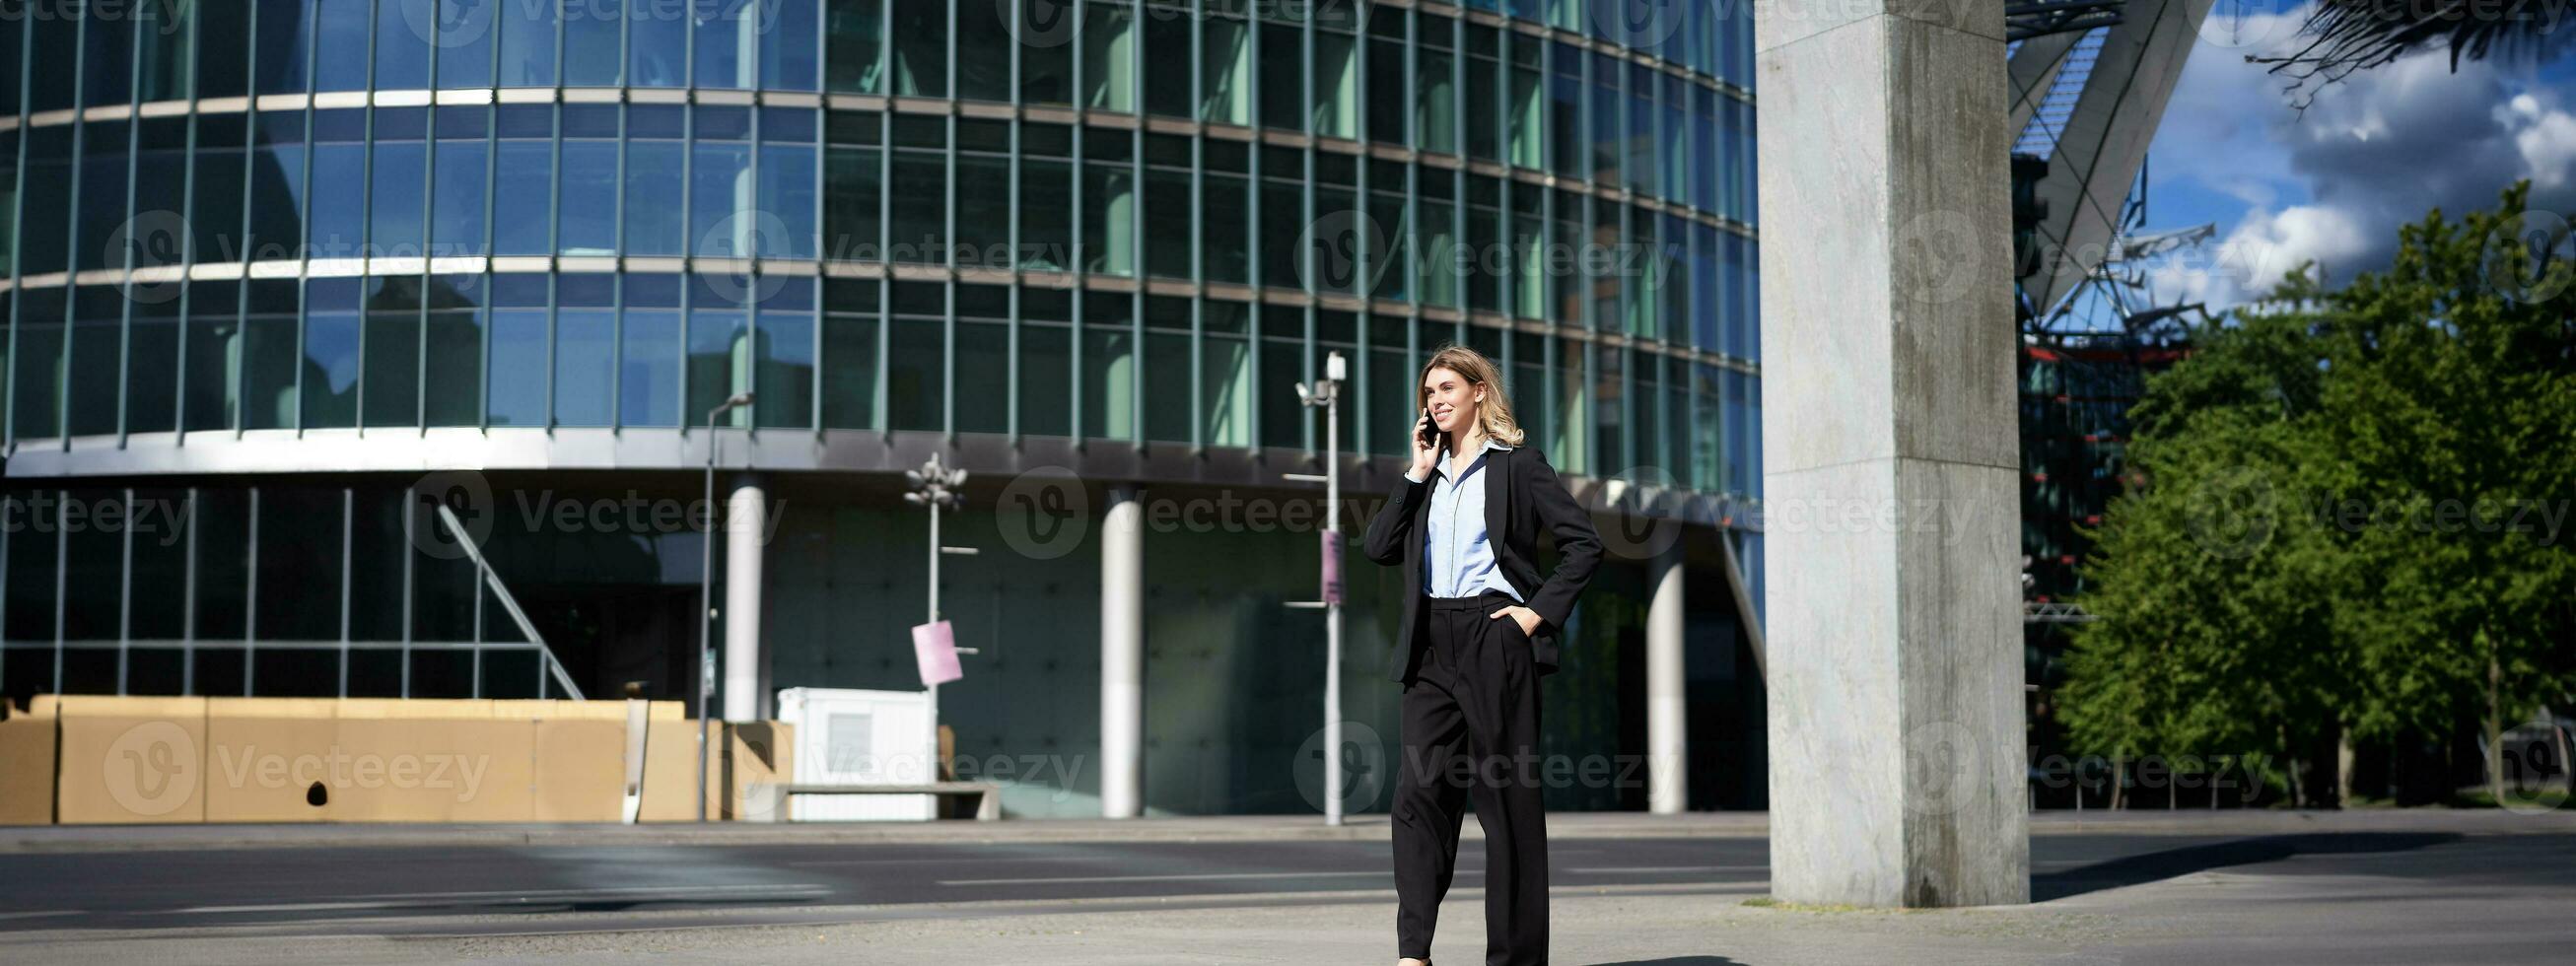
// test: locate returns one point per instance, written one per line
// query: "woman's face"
(1451, 399)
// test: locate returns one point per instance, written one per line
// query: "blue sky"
(2370, 152)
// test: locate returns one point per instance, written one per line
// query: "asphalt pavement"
(2411, 887)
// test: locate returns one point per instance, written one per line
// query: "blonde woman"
(1481, 622)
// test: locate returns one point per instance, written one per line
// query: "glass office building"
(273, 263)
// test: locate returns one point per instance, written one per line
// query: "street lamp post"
(1327, 394)
(935, 486)
(706, 591)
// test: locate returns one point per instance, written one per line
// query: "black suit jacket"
(1522, 498)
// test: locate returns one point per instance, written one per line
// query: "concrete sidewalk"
(1370, 827)
(2364, 898)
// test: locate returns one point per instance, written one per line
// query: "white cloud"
(2371, 152)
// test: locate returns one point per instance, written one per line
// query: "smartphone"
(1430, 431)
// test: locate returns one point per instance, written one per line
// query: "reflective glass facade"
(266, 261)
(1105, 220)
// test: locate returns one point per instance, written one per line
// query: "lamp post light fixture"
(1326, 394)
(936, 487)
(706, 591)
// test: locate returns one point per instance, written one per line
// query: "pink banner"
(934, 647)
(1332, 566)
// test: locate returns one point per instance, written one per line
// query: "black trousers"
(1471, 734)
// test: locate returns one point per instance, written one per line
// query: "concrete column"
(1122, 654)
(1890, 448)
(746, 527)
(1667, 708)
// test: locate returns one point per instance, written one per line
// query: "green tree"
(2353, 517)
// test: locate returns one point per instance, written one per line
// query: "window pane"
(1225, 388)
(851, 198)
(787, 48)
(785, 379)
(1046, 214)
(657, 44)
(728, 43)
(300, 541)
(1108, 382)
(214, 356)
(331, 370)
(277, 195)
(849, 371)
(107, 57)
(464, 38)
(1337, 85)
(719, 361)
(856, 41)
(338, 200)
(396, 213)
(721, 187)
(920, 197)
(402, 50)
(1226, 72)
(37, 367)
(984, 43)
(152, 364)
(1283, 76)
(1046, 379)
(457, 228)
(285, 41)
(518, 363)
(921, 48)
(89, 386)
(92, 569)
(455, 386)
(592, 43)
(393, 369)
(1168, 209)
(163, 71)
(983, 211)
(524, 189)
(1108, 218)
(585, 346)
(1435, 115)
(917, 377)
(527, 57)
(654, 178)
(1108, 57)
(1167, 62)
(983, 377)
(1227, 245)
(269, 360)
(589, 210)
(340, 45)
(787, 193)
(648, 388)
(216, 211)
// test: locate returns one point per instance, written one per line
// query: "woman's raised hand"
(1425, 454)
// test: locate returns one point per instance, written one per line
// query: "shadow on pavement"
(2171, 863)
(1677, 961)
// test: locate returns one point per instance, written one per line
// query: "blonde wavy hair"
(1496, 411)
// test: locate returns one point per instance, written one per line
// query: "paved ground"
(2364, 887)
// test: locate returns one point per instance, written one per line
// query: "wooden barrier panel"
(135, 759)
(272, 760)
(27, 762)
(130, 760)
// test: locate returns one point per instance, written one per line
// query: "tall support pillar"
(1667, 707)
(1122, 654)
(1890, 448)
(746, 527)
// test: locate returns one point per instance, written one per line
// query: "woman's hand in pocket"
(1527, 619)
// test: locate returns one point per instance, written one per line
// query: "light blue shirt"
(1457, 557)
